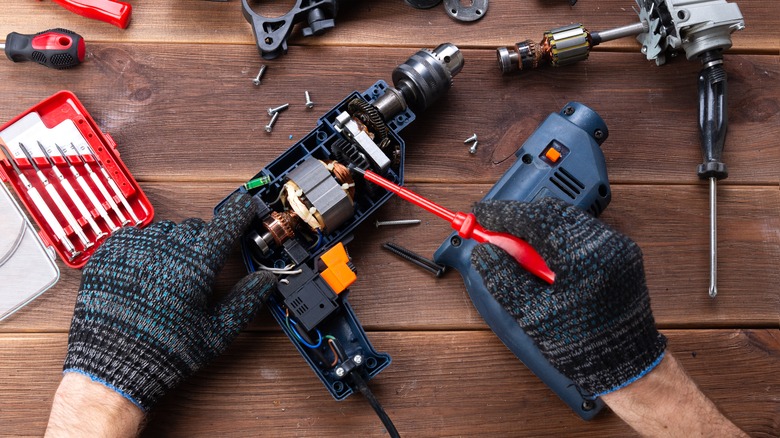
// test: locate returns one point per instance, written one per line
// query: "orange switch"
(338, 274)
(552, 154)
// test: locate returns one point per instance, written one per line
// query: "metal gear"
(654, 41)
(369, 115)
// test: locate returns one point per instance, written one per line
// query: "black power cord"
(362, 386)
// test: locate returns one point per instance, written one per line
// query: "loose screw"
(270, 126)
(473, 138)
(398, 222)
(473, 148)
(272, 111)
(259, 78)
(309, 103)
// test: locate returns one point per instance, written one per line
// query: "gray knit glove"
(144, 317)
(594, 324)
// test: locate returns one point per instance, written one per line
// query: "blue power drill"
(562, 159)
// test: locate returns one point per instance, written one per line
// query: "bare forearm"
(85, 408)
(666, 402)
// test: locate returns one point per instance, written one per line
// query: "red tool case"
(62, 120)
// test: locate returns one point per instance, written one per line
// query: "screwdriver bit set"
(68, 175)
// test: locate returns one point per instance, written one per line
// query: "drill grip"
(579, 177)
(713, 120)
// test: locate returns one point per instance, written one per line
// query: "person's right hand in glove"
(594, 323)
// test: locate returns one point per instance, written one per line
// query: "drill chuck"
(421, 80)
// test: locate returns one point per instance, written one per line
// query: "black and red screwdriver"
(467, 227)
(54, 48)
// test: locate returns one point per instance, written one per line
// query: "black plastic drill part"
(422, 4)
(308, 297)
(271, 34)
(713, 119)
(19, 47)
(416, 259)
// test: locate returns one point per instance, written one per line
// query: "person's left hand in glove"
(144, 319)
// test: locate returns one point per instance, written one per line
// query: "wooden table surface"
(175, 92)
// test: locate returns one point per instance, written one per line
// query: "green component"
(257, 182)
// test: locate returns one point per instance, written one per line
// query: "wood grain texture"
(375, 23)
(390, 294)
(175, 92)
(439, 384)
(179, 115)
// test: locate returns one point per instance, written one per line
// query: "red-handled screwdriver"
(467, 227)
(54, 48)
(112, 12)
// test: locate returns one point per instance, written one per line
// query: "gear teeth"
(347, 153)
(369, 115)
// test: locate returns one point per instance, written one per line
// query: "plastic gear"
(347, 153)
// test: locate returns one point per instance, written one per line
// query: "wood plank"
(670, 223)
(374, 23)
(436, 386)
(184, 117)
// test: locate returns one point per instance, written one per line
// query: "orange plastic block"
(338, 274)
(552, 155)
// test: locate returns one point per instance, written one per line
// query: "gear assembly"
(309, 204)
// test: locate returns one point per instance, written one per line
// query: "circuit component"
(308, 206)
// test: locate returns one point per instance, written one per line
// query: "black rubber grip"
(54, 48)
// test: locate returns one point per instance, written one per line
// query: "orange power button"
(552, 154)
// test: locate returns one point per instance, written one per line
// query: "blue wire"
(295, 331)
(318, 244)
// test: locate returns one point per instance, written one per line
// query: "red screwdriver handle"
(112, 12)
(467, 227)
(55, 48)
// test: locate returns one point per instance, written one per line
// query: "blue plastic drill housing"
(561, 159)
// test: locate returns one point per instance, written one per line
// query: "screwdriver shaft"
(102, 188)
(73, 196)
(58, 201)
(43, 209)
(89, 192)
(119, 195)
(54, 224)
(713, 237)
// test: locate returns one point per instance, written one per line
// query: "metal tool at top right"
(700, 28)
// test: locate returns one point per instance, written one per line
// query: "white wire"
(287, 270)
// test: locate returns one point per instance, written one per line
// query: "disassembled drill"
(700, 28)
(309, 205)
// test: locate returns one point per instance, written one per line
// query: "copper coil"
(343, 176)
(281, 226)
